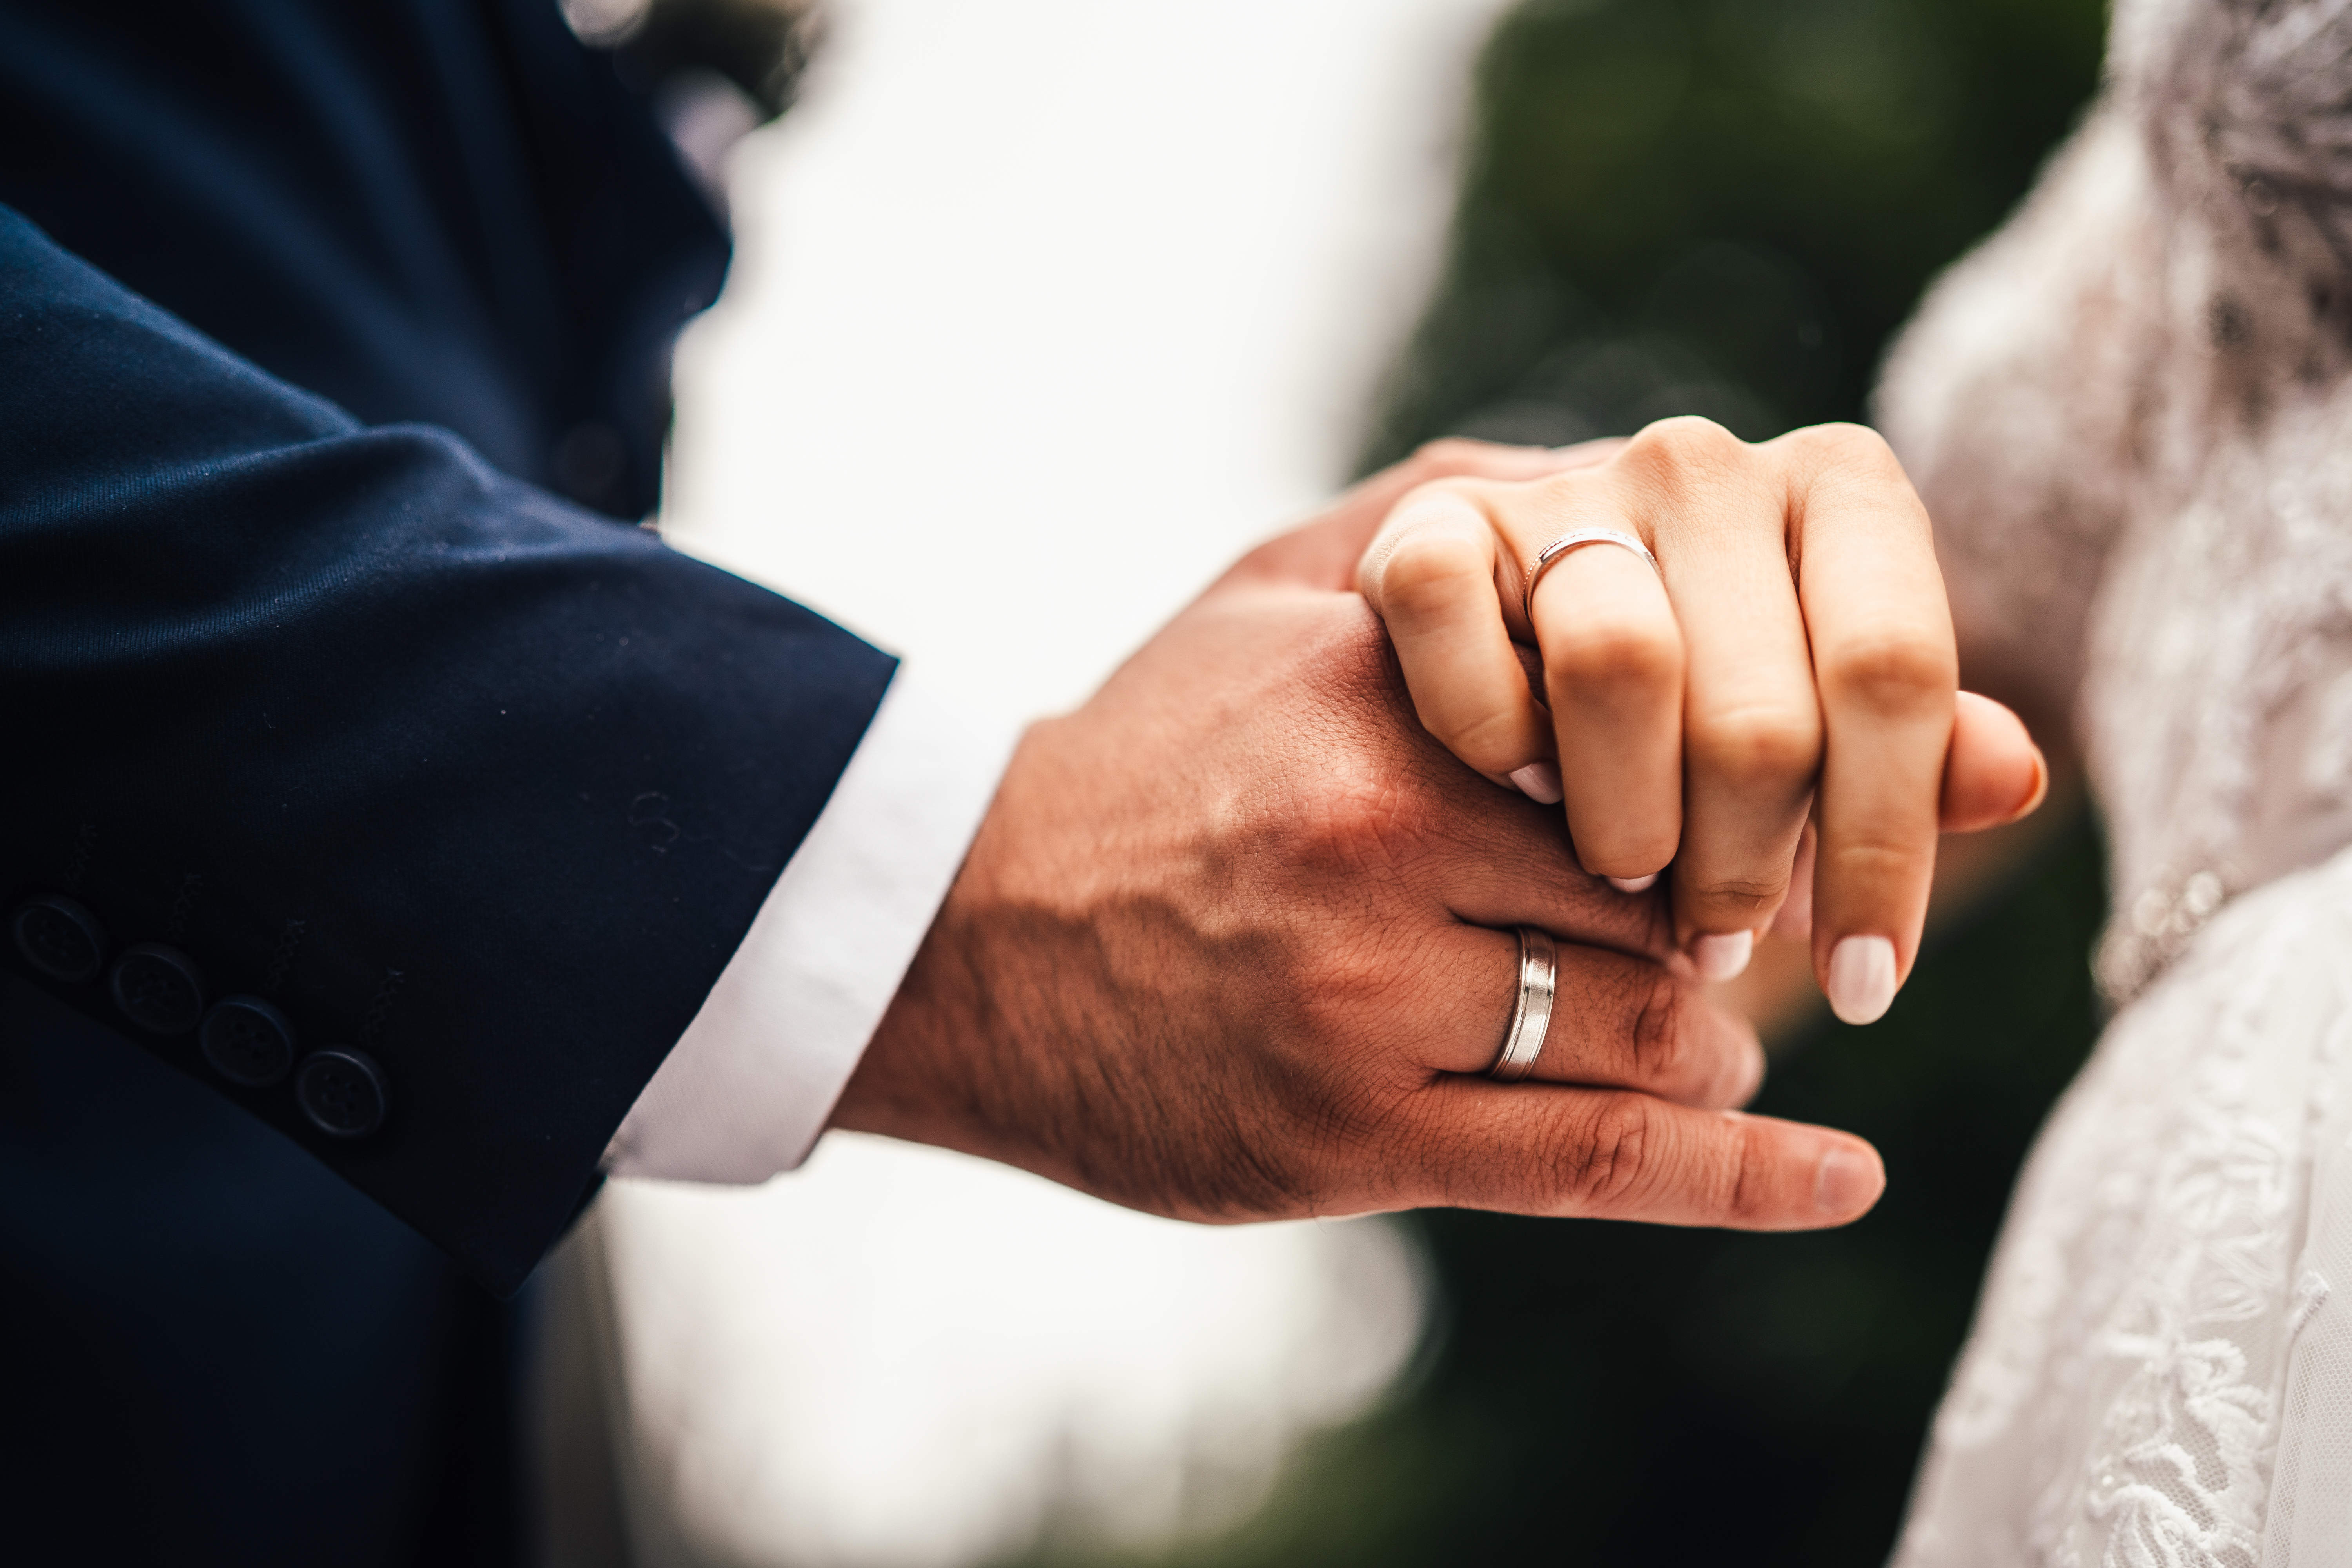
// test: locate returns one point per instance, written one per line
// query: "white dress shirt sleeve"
(746, 1091)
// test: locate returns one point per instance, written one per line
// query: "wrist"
(939, 1065)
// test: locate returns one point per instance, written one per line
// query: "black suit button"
(157, 988)
(342, 1090)
(59, 939)
(248, 1041)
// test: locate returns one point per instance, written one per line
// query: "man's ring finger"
(1523, 1041)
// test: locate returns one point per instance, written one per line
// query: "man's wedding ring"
(1568, 542)
(1523, 1042)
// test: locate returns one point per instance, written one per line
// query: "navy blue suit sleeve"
(451, 774)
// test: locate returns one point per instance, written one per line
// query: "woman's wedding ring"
(1568, 542)
(1523, 1042)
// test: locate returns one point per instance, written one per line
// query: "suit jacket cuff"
(747, 1087)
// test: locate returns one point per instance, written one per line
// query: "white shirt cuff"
(746, 1091)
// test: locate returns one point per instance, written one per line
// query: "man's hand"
(1233, 943)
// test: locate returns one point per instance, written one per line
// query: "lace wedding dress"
(2131, 416)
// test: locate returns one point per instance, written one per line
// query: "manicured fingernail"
(1540, 782)
(1634, 884)
(1862, 979)
(2040, 790)
(1845, 1184)
(1721, 955)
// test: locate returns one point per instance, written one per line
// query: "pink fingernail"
(1721, 955)
(1845, 1183)
(1540, 782)
(1634, 884)
(1862, 979)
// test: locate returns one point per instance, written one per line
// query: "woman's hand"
(1790, 663)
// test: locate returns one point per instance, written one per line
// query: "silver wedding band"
(1568, 542)
(1523, 1042)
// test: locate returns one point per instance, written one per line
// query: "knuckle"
(1843, 443)
(1874, 857)
(1757, 747)
(1355, 822)
(1742, 896)
(1893, 671)
(1333, 988)
(1659, 1030)
(1611, 650)
(1428, 570)
(1682, 446)
(1607, 1159)
(1446, 455)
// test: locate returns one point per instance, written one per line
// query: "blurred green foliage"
(1726, 207)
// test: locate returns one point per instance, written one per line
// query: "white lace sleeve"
(2011, 401)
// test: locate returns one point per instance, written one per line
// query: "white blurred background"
(1042, 311)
